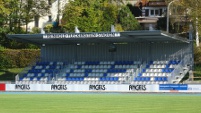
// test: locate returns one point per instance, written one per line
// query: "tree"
(32, 9)
(127, 20)
(97, 15)
(194, 11)
(189, 10)
(14, 14)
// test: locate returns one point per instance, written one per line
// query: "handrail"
(179, 68)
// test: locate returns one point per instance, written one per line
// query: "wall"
(130, 51)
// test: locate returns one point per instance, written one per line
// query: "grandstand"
(134, 57)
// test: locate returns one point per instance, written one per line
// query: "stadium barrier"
(104, 88)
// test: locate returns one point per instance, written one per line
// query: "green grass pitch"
(99, 103)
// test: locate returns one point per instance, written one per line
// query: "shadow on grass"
(7, 76)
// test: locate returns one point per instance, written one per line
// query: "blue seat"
(111, 78)
(21, 78)
(71, 70)
(52, 67)
(68, 79)
(25, 75)
(170, 70)
(116, 78)
(86, 74)
(167, 66)
(137, 79)
(38, 78)
(107, 78)
(73, 79)
(147, 79)
(79, 66)
(42, 74)
(160, 79)
(81, 78)
(67, 74)
(143, 70)
(105, 74)
(165, 79)
(103, 78)
(140, 74)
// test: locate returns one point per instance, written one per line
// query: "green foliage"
(35, 30)
(4, 61)
(127, 20)
(17, 13)
(97, 15)
(20, 58)
(197, 55)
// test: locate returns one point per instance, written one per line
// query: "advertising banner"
(102, 87)
(2, 87)
(173, 87)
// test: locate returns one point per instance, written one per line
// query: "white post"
(168, 8)
(197, 34)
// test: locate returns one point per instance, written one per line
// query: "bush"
(20, 58)
(197, 55)
(4, 62)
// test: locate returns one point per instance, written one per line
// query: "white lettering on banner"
(80, 35)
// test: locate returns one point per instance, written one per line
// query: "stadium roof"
(99, 37)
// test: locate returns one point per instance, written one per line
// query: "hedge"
(19, 58)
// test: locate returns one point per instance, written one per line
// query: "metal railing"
(179, 69)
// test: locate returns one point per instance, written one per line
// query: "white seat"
(148, 74)
(93, 66)
(160, 74)
(144, 74)
(155, 74)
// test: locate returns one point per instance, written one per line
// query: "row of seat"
(34, 79)
(43, 71)
(44, 63)
(159, 66)
(148, 82)
(101, 66)
(93, 82)
(97, 70)
(107, 62)
(151, 79)
(165, 62)
(148, 74)
(91, 79)
(164, 70)
(47, 67)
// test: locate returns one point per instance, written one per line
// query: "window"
(156, 13)
(49, 18)
(147, 12)
(36, 18)
(152, 12)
